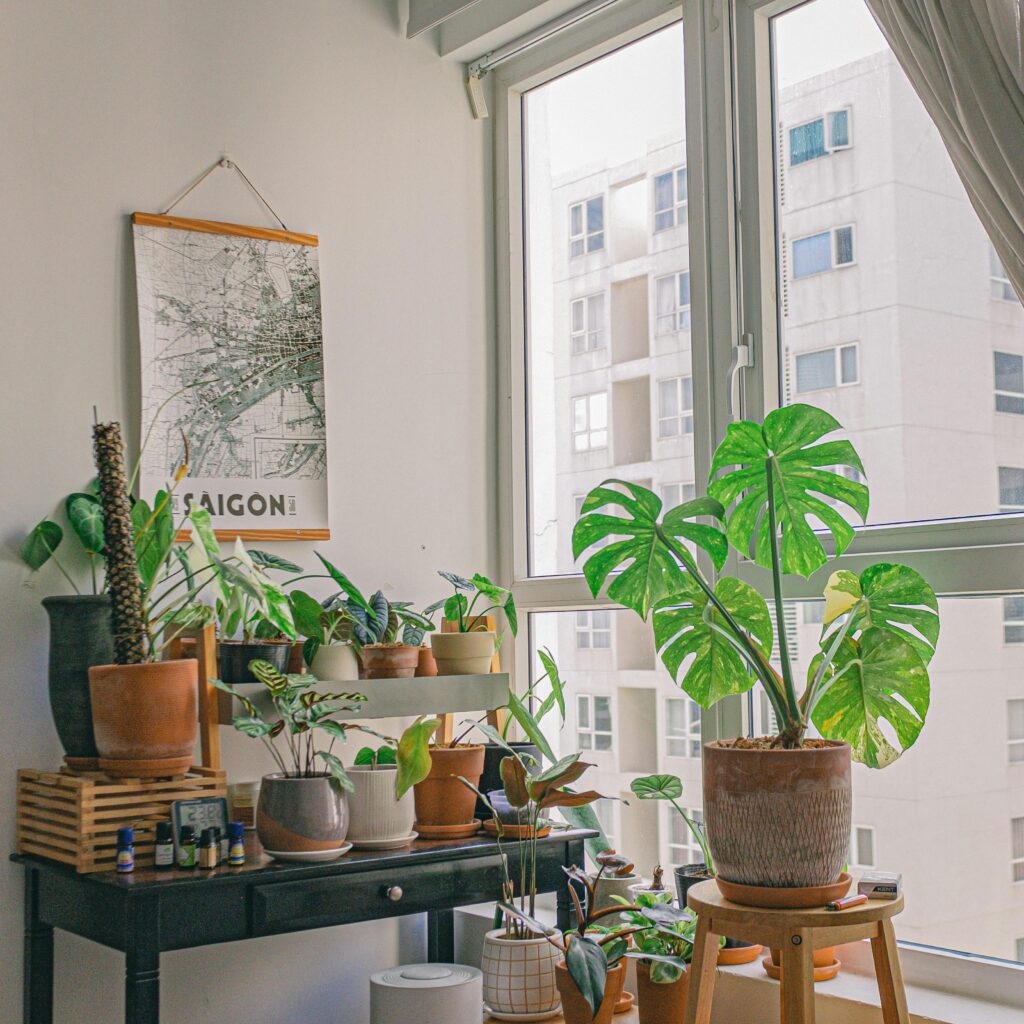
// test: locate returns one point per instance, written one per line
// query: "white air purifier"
(427, 994)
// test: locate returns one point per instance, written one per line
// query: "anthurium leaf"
(687, 632)
(414, 755)
(268, 560)
(513, 779)
(878, 678)
(802, 479)
(40, 544)
(146, 551)
(588, 968)
(86, 518)
(640, 570)
(657, 787)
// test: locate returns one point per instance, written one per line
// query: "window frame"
(680, 311)
(691, 846)
(677, 203)
(590, 629)
(692, 732)
(588, 331)
(1002, 392)
(837, 364)
(684, 416)
(592, 730)
(855, 861)
(1014, 743)
(831, 232)
(589, 429)
(584, 236)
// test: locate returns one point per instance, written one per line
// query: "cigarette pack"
(880, 885)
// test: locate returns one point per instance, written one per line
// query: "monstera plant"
(775, 495)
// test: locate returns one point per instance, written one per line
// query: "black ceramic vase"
(79, 638)
(233, 657)
(491, 778)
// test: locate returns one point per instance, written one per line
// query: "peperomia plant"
(772, 486)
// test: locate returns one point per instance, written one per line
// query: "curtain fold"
(965, 59)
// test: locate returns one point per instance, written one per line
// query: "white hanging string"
(229, 165)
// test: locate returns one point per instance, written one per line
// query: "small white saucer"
(310, 856)
(525, 1017)
(384, 844)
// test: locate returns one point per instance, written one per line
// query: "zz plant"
(771, 487)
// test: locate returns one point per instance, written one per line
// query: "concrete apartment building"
(923, 369)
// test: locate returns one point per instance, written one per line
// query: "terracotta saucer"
(784, 899)
(733, 955)
(515, 831)
(826, 973)
(625, 1002)
(463, 831)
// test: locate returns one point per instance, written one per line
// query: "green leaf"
(530, 726)
(336, 770)
(364, 756)
(268, 560)
(455, 607)
(511, 616)
(387, 755)
(538, 927)
(717, 670)
(414, 755)
(786, 443)
(646, 571)
(458, 582)
(251, 726)
(657, 787)
(487, 588)
(86, 518)
(307, 614)
(277, 611)
(40, 544)
(880, 678)
(557, 689)
(276, 682)
(352, 593)
(588, 968)
(513, 779)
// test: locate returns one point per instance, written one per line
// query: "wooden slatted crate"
(74, 817)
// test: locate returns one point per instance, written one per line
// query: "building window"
(605, 811)
(826, 250)
(682, 844)
(1001, 287)
(587, 324)
(1011, 489)
(670, 199)
(1020, 950)
(590, 422)
(586, 226)
(827, 368)
(819, 137)
(594, 630)
(1009, 382)
(1015, 729)
(673, 299)
(862, 846)
(675, 407)
(676, 493)
(1013, 620)
(593, 722)
(682, 728)
(812, 613)
(1017, 848)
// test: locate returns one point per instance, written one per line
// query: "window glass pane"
(604, 147)
(1011, 487)
(1015, 719)
(668, 397)
(879, 245)
(807, 142)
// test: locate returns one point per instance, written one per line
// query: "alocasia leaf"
(86, 518)
(40, 544)
(657, 787)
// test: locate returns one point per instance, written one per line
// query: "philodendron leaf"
(694, 631)
(645, 569)
(86, 518)
(878, 678)
(657, 787)
(887, 596)
(588, 968)
(803, 482)
(414, 755)
(37, 547)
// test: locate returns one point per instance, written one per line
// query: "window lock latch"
(742, 357)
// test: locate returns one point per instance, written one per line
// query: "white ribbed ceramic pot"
(374, 813)
(519, 976)
(335, 663)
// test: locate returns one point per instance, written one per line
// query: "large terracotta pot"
(660, 1003)
(390, 661)
(144, 717)
(301, 814)
(778, 818)
(441, 799)
(463, 654)
(519, 976)
(574, 1007)
(80, 637)
(233, 657)
(375, 816)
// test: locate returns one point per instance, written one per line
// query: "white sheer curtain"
(965, 59)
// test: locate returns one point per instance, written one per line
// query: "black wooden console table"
(152, 912)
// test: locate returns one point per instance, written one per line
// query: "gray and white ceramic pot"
(301, 814)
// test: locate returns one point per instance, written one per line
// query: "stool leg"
(701, 988)
(797, 979)
(891, 993)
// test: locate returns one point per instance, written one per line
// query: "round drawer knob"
(394, 893)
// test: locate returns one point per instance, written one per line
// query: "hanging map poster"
(232, 364)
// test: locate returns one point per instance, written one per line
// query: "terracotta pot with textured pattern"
(778, 818)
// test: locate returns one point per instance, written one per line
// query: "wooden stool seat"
(796, 933)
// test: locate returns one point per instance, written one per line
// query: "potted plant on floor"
(777, 808)
(468, 650)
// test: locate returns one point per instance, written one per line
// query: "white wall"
(110, 106)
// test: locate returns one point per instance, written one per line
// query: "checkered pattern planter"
(519, 975)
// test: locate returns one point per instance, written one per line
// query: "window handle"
(742, 357)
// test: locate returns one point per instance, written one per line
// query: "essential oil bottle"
(163, 849)
(187, 847)
(209, 848)
(125, 850)
(236, 843)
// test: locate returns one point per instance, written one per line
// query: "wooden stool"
(797, 933)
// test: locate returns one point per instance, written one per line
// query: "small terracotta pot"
(390, 661)
(574, 1007)
(296, 660)
(301, 814)
(824, 957)
(660, 1003)
(426, 666)
(463, 654)
(441, 799)
(145, 717)
(778, 818)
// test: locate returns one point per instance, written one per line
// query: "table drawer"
(367, 895)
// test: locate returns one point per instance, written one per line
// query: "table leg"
(889, 975)
(701, 989)
(37, 967)
(797, 978)
(142, 963)
(441, 936)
